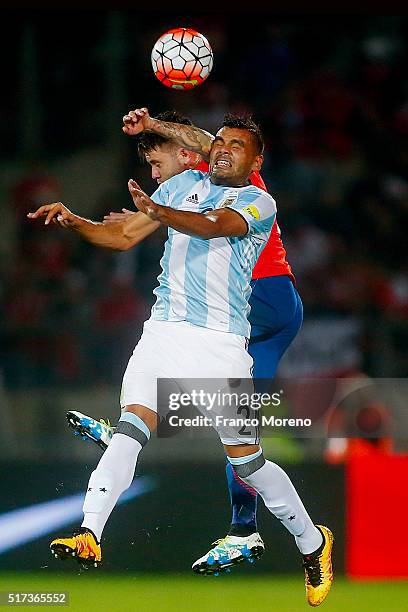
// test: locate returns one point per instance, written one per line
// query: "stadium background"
(330, 93)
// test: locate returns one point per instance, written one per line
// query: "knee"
(148, 416)
(246, 466)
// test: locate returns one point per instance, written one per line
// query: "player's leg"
(242, 541)
(280, 497)
(112, 476)
(116, 468)
(244, 505)
(276, 317)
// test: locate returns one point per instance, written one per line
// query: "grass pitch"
(176, 593)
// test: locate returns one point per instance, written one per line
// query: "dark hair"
(147, 141)
(245, 122)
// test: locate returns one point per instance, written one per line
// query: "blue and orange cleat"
(100, 432)
(229, 551)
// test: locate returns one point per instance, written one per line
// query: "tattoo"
(187, 136)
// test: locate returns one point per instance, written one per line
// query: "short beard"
(228, 181)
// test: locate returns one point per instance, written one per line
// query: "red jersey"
(272, 261)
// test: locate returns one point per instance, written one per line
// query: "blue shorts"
(276, 317)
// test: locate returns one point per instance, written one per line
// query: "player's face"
(164, 162)
(233, 157)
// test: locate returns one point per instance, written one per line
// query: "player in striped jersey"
(275, 317)
(219, 223)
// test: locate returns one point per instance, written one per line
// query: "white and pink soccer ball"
(182, 58)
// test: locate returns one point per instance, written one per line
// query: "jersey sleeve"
(258, 210)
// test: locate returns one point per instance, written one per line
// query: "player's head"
(237, 151)
(165, 157)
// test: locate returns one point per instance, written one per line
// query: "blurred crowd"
(335, 120)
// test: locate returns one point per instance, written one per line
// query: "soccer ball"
(182, 58)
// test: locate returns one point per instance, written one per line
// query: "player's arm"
(220, 222)
(187, 136)
(116, 236)
(118, 217)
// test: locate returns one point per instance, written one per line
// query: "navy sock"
(244, 504)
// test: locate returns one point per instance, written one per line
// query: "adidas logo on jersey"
(193, 198)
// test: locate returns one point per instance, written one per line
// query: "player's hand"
(143, 202)
(136, 121)
(118, 217)
(57, 213)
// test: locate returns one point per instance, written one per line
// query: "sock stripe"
(132, 418)
(246, 459)
(256, 461)
(131, 425)
(130, 430)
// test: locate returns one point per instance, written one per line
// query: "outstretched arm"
(221, 222)
(188, 136)
(118, 217)
(117, 236)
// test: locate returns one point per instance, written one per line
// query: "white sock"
(112, 476)
(281, 498)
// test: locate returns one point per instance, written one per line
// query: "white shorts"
(180, 350)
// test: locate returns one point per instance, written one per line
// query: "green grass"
(229, 593)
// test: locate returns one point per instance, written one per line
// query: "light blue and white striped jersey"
(207, 282)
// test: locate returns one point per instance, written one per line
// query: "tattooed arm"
(187, 136)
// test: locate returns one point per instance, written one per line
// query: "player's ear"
(186, 157)
(257, 164)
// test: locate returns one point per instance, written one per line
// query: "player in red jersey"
(276, 316)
